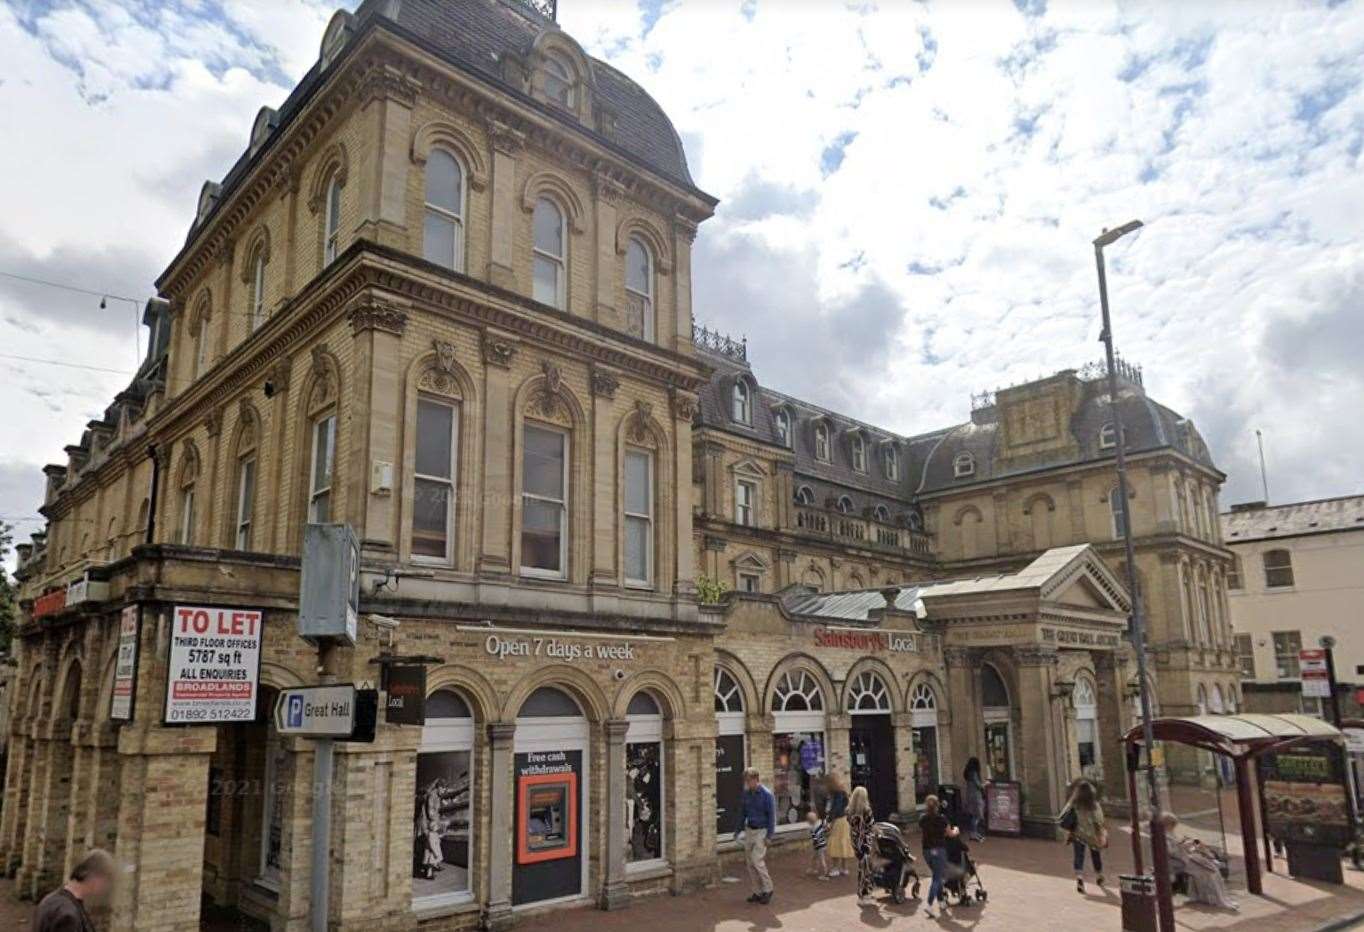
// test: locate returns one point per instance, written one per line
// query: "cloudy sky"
(908, 192)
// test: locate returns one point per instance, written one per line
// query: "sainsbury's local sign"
(868, 642)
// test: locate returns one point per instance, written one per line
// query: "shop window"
(1086, 725)
(1278, 569)
(644, 793)
(1287, 646)
(443, 225)
(324, 456)
(552, 769)
(1245, 656)
(544, 503)
(798, 748)
(923, 709)
(443, 823)
(729, 751)
(433, 481)
(639, 520)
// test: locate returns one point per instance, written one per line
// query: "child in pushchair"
(890, 862)
(960, 872)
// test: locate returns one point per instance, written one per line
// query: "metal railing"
(832, 525)
(714, 341)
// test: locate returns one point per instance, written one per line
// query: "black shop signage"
(549, 798)
(729, 782)
(406, 695)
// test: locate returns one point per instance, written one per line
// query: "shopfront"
(553, 817)
(871, 742)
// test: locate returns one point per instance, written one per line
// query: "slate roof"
(1329, 515)
(926, 460)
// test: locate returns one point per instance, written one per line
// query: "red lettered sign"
(214, 671)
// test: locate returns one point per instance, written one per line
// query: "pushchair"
(892, 862)
(961, 872)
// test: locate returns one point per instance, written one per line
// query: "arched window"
(331, 245)
(1216, 706)
(257, 288)
(743, 402)
(445, 790)
(729, 750)
(868, 694)
(1086, 723)
(782, 421)
(923, 709)
(729, 697)
(797, 691)
(963, 465)
(1278, 568)
(845, 505)
(644, 798)
(883, 514)
(1202, 699)
(550, 254)
(246, 500)
(998, 724)
(443, 229)
(323, 465)
(548, 702)
(805, 496)
(1118, 507)
(822, 443)
(639, 289)
(993, 692)
(859, 453)
(560, 84)
(185, 523)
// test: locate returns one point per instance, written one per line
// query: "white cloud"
(948, 251)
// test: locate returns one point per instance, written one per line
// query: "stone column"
(602, 482)
(839, 757)
(683, 410)
(284, 488)
(495, 504)
(1039, 748)
(902, 733)
(377, 412)
(966, 735)
(608, 194)
(615, 893)
(392, 96)
(208, 533)
(501, 824)
(161, 827)
(1076, 498)
(1111, 675)
(45, 850)
(507, 143)
(785, 568)
(683, 237)
(1000, 509)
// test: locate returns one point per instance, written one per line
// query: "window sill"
(532, 575)
(439, 907)
(648, 870)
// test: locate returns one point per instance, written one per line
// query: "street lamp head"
(1109, 237)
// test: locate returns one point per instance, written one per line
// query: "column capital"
(615, 729)
(501, 734)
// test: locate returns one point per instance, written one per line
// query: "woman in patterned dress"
(860, 821)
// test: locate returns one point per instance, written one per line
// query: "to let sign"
(125, 667)
(214, 669)
(1315, 673)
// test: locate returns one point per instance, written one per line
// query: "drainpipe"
(155, 456)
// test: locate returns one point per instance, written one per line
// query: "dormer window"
(743, 402)
(822, 443)
(963, 466)
(891, 463)
(782, 422)
(845, 505)
(859, 453)
(1108, 436)
(805, 496)
(560, 85)
(883, 514)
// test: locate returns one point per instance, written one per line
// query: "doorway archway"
(997, 710)
(871, 742)
(552, 766)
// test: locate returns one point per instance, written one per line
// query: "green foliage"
(9, 608)
(710, 591)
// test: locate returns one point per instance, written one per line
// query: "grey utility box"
(329, 588)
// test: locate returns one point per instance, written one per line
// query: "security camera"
(384, 622)
(618, 674)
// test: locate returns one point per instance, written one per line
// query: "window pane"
(443, 181)
(637, 276)
(433, 438)
(439, 239)
(246, 502)
(541, 530)
(636, 548)
(322, 453)
(334, 207)
(637, 484)
(430, 517)
(543, 463)
(546, 284)
(549, 228)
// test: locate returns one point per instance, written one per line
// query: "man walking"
(63, 910)
(757, 824)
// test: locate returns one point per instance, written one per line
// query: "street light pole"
(1160, 861)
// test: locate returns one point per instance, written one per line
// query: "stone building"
(444, 298)
(1295, 579)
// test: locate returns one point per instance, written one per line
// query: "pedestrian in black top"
(935, 828)
(63, 910)
(860, 822)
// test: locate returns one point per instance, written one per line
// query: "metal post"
(1159, 854)
(1328, 644)
(322, 832)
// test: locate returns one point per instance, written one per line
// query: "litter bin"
(1138, 902)
(949, 797)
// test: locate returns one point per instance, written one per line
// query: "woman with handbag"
(1083, 821)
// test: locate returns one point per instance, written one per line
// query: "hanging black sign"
(406, 695)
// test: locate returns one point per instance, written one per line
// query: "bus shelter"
(1243, 738)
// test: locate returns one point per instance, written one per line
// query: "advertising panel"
(214, 669)
(443, 821)
(729, 782)
(1304, 794)
(548, 809)
(125, 667)
(1004, 808)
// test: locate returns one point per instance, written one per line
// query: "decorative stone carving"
(505, 138)
(638, 430)
(497, 352)
(278, 377)
(213, 422)
(246, 419)
(445, 357)
(683, 405)
(378, 316)
(546, 398)
(604, 383)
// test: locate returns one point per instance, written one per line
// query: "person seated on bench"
(1200, 864)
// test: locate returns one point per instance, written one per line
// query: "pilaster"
(615, 894)
(501, 742)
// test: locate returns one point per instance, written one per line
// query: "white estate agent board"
(125, 668)
(214, 671)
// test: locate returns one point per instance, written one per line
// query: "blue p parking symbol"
(295, 714)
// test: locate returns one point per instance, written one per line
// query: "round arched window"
(868, 694)
(797, 691)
